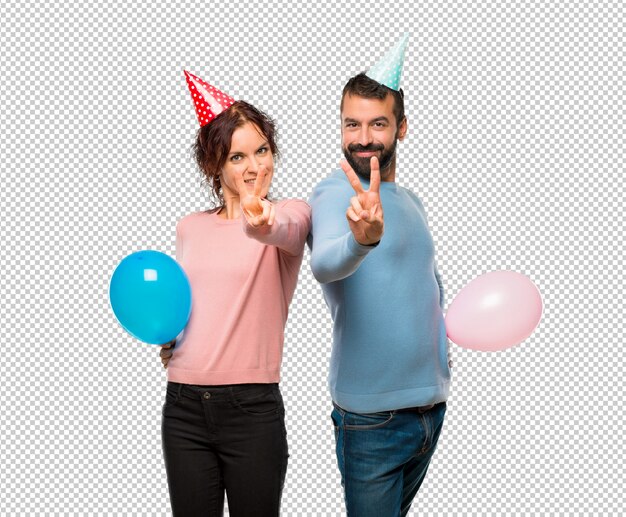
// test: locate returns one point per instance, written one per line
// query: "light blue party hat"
(389, 69)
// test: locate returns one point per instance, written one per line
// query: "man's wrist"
(372, 244)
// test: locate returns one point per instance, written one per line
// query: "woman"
(223, 419)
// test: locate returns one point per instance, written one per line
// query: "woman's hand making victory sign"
(365, 214)
(257, 210)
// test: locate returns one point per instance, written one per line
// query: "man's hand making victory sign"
(365, 214)
(257, 210)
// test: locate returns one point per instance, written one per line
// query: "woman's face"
(249, 149)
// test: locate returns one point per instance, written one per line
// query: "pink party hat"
(208, 100)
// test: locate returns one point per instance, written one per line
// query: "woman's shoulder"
(195, 218)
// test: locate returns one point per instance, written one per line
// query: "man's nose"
(365, 136)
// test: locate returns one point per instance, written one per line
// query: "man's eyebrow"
(377, 119)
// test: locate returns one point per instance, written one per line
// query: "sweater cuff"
(357, 248)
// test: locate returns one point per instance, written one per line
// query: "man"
(373, 253)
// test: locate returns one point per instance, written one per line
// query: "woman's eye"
(262, 150)
(235, 158)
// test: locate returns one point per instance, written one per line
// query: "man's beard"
(362, 165)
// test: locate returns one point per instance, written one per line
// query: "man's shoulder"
(336, 181)
(334, 178)
(412, 196)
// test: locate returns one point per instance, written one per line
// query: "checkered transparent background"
(516, 146)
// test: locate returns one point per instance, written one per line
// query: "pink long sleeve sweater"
(242, 281)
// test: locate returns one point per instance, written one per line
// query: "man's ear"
(402, 129)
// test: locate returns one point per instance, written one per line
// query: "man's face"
(369, 128)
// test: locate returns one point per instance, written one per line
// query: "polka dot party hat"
(208, 100)
(388, 70)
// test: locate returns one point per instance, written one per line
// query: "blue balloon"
(150, 296)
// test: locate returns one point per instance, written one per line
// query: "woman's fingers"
(267, 216)
(241, 184)
(259, 180)
(166, 353)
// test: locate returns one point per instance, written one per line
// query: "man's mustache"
(358, 148)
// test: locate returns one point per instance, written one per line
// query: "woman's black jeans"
(220, 439)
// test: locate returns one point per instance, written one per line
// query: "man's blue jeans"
(383, 457)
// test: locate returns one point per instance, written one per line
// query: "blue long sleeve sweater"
(390, 349)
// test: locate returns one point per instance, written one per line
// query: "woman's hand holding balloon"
(167, 350)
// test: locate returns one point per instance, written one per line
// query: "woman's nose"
(253, 165)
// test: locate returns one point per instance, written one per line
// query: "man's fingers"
(369, 216)
(375, 175)
(375, 212)
(378, 210)
(356, 204)
(357, 207)
(352, 177)
(351, 215)
(374, 215)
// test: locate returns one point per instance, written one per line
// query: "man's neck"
(390, 176)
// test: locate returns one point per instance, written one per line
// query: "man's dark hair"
(362, 86)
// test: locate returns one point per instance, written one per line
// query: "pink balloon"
(495, 311)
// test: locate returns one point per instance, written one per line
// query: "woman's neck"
(231, 208)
